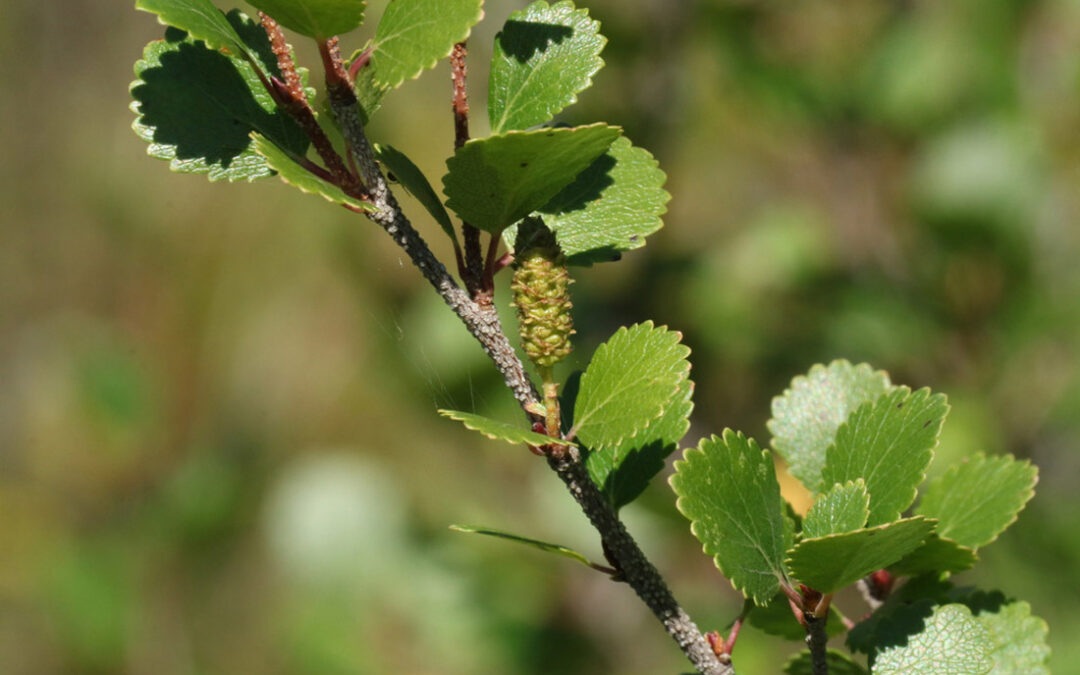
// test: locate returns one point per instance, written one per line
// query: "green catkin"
(541, 296)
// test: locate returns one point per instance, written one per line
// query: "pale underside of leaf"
(806, 416)
(952, 642)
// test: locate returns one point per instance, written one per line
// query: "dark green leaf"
(197, 107)
(527, 541)
(936, 555)
(727, 489)
(319, 19)
(498, 431)
(842, 509)
(415, 34)
(624, 470)
(952, 642)
(629, 383)
(544, 56)
(290, 171)
(977, 499)
(839, 664)
(806, 416)
(611, 207)
(830, 563)
(496, 181)
(889, 444)
(413, 180)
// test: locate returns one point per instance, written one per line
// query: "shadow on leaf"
(523, 39)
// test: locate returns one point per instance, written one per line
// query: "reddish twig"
(472, 273)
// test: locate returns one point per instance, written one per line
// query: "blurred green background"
(219, 452)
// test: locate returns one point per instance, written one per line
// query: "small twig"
(816, 639)
(472, 272)
(289, 95)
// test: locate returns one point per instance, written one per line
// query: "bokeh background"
(219, 451)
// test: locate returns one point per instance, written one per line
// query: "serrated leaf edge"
(782, 576)
(683, 373)
(477, 18)
(599, 62)
(540, 438)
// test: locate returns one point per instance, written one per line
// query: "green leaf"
(535, 543)
(413, 180)
(499, 431)
(952, 642)
(496, 181)
(975, 500)
(611, 207)
(200, 19)
(937, 555)
(630, 381)
(806, 416)
(320, 19)
(294, 174)
(624, 470)
(543, 57)
(776, 618)
(727, 489)
(830, 563)
(197, 107)
(416, 34)
(888, 443)
(1018, 638)
(842, 509)
(839, 664)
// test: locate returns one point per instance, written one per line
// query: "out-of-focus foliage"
(219, 451)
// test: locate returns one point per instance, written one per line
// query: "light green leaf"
(197, 107)
(842, 509)
(630, 381)
(952, 642)
(543, 57)
(624, 470)
(727, 489)
(320, 19)
(776, 618)
(806, 416)
(975, 500)
(830, 563)
(611, 207)
(839, 664)
(938, 555)
(413, 180)
(496, 181)
(888, 443)
(1019, 639)
(416, 34)
(200, 19)
(527, 541)
(499, 431)
(292, 173)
